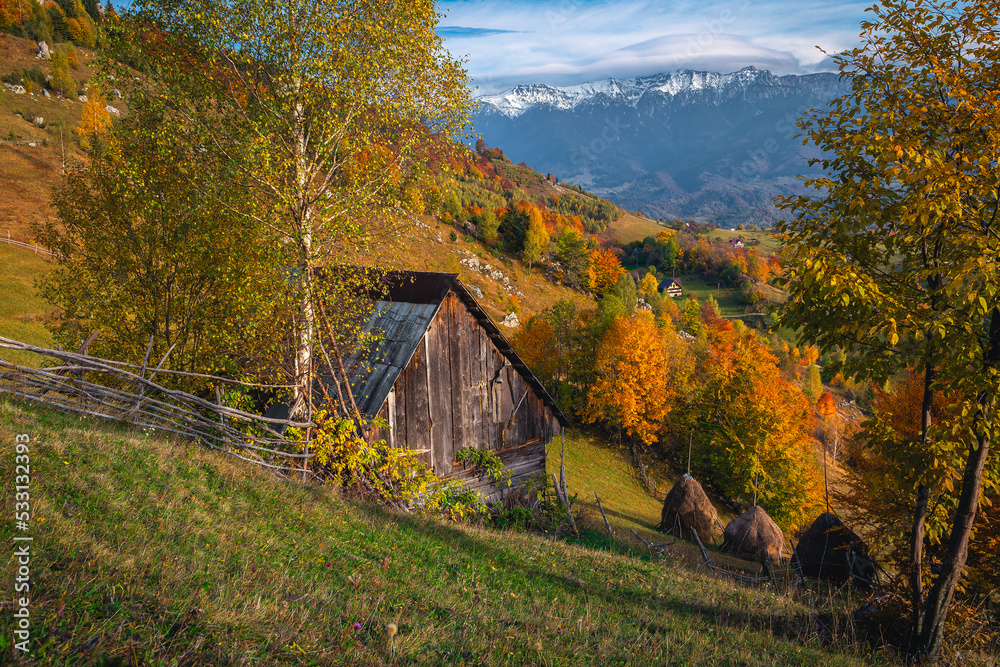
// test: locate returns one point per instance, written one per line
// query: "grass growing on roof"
(147, 550)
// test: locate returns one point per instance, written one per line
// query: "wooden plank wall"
(447, 399)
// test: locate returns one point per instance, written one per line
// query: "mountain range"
(715, 147)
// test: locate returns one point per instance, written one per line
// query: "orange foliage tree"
(751, 427)
(604, 270)
(631, 391)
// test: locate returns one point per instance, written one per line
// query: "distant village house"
(671, 287)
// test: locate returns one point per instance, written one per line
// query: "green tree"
(812, 384)
(536, 239)
(323, 108)
(62, 81)
(571, 250)
(149, 247)
(489, 224)
(671, 251)
(890, 258)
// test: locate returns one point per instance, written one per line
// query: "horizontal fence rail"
(33, 247)
(112, 390)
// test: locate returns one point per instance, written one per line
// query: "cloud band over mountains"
(563, 42)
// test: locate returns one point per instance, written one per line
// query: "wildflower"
(357, 627)
(391, 630)
(328, 565)
(559, 630)
(538, 646)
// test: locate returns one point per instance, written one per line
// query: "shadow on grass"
(615, 595)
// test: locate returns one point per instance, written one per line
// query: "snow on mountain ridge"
(519, 99)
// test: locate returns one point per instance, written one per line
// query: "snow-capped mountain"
(683, 144)
(517, 100)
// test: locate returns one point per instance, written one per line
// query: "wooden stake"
(562, 465)
(704, 552)
(606, 523)
(826, 481)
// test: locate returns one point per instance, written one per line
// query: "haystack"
(832, 551)
(754, 533)
(687, 507)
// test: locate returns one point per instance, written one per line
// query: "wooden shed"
(443, 377)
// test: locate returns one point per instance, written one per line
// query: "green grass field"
(768, 243)
(729, 299)
(22, 310)
(153, 552)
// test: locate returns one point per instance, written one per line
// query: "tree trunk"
(306, 325)
(920, 509)
(916, 560)
(940, 597)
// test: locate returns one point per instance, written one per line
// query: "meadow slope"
(155, 552)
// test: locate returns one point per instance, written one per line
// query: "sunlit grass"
(147, 550)
(22, 310)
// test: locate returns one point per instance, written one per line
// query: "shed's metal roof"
(398, 328)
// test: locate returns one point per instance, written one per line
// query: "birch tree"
(322, 107)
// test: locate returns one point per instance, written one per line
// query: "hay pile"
(832, 551)
(754, 533)
(687, 507)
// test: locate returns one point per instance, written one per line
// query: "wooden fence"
(127, 393)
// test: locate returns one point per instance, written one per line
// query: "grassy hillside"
(430, 248)
(631, 227)
(153, 552)
(593, 465)
(22, 310)
(29, 172)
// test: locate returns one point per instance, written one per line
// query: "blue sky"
(563, 42)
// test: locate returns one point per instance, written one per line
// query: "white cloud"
(569, 41)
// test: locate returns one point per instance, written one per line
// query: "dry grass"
(29, 173)
(430, 248)
(631, 227)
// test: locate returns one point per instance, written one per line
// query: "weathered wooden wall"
(460, 391)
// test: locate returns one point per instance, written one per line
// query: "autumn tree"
(750, 427)
(649, 286)
(631, 391)
(536, 239)
(149, 249)
(887, 258)
(95, 121)
(604, 271)
(64, 84)
(322, 108)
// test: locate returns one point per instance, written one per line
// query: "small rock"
(511, 321)
(82, 98)
(45, 93)
(113, 110)
(44, 53)
(39, 121)
(476, 291)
